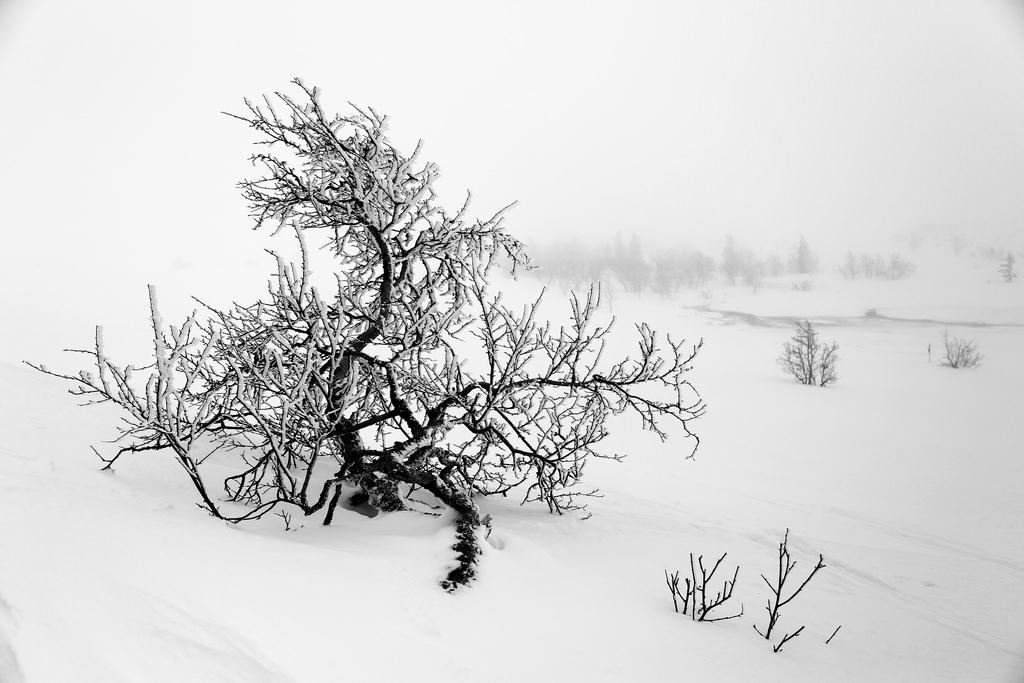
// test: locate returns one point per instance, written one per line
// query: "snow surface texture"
(905, 475)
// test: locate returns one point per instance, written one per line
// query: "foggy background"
(678, 151)
(848, 122)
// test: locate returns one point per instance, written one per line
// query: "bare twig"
(698, 584)
(786, 638)
(777, 587)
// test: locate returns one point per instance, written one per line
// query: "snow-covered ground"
(905, 475)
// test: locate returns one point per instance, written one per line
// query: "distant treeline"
(663, 270)
(627, 262)
(875, 266)
(638, 268)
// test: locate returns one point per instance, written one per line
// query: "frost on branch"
(960, 352)
(407, 376)
(807, 358)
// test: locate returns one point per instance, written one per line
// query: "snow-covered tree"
(803, 261)
(807, 359)
(960, 352)
(1008, 268)
(407, 374)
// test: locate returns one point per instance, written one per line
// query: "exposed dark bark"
(381, 493)
(333, 505)
(409, 373)
(467, 547)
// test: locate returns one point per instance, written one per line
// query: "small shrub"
(803, 286)
(807, 359)
(776, 602)
(960, 352)
(697, 583)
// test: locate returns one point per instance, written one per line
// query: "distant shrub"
(803, 286)
(960, 352)
(807, 359)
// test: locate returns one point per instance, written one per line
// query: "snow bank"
(903, 475)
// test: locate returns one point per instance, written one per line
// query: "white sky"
(677, 120)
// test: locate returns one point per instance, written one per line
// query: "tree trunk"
(467, 524)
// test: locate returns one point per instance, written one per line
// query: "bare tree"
(807, 359)
(406, 374)
(960, 352)
(778, 587)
